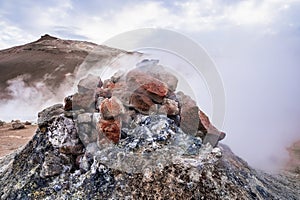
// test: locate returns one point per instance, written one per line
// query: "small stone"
(111, 108)
(117, 76)
(169, 107)
(84, 163)
(159, 72)
(27, 123)
(147, 175)
(88, 84)
(84, 128)
(111, 129)
(100, 84)
(68, 103)
(17, 125)
(103, 92)
(217, 152)
(72, 149)
(51, 166)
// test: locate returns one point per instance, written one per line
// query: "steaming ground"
(26, 100)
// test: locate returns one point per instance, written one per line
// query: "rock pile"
(132, 137)
(149, 89)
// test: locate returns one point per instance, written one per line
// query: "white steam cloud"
(27, 99)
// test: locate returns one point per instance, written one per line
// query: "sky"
(254, 44)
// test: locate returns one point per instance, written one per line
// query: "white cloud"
(11, 35)
(188, 16)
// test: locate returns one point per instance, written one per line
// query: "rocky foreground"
(133, 136)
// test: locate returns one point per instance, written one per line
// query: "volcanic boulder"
(89, 84)
(17, 124)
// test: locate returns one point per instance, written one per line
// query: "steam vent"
(133, 136)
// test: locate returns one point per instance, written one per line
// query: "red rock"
(204, 120)
(159, 72)
(111, 129)
(140, 80)
(141, 102)
(111, 108)
(163, 75)
(211, 130)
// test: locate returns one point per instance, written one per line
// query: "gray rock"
(189, 121)
(117, 76)
(88, 83)
(47, 115)
(95, 119)
(84, 101)
(87, 134)
(84, 118)
(17, 125)
(52, 166)
(2, 123)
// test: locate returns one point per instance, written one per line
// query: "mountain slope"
(48, 59)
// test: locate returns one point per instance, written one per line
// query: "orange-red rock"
(111, 129)
(139, 80)
(111, 108)
(210, 129)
